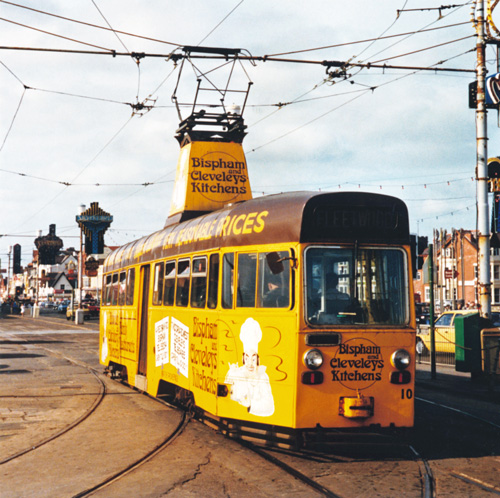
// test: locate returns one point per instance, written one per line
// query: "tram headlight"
(313, 359)
(401, 359)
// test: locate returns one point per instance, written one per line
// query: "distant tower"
(48, 247)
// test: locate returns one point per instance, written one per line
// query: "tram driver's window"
(213, 281)
(130, 287)
(247, 276)
(274, 280)
(182, 288)
(169, 289)
(158, 284)
(199, 283)
(227, 280)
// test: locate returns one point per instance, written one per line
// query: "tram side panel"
(256, 366)
(119, 319)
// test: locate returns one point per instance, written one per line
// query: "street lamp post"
(482, 168)
(80, 266)
(8, 272)
(37, 278)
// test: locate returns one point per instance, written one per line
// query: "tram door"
(143, 333)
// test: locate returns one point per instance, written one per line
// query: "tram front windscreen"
(364, 286)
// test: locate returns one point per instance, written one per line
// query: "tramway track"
(477, 483)
(88, 412)
(475, 480)
(462, 412)
(428, 481)
(331, 459)
(76, 432)
(334, 447)
(138, 463)
(292, 471)
(97, 401)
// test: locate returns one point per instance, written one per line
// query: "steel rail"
(141, 461)
(67, 428)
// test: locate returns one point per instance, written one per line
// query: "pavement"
(447, 379)
(48, 320)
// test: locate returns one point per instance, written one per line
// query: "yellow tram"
(293, 310)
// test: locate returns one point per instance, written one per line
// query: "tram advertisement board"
(210, 175)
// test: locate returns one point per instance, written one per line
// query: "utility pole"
(431, 311)
(482, 167)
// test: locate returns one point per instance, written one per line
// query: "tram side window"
(199, 283)
(247, 275)
(227, 280)
(158, 285)
(169, 289)
(107, 291)
(122, 288)
(114, 290)
(213, 281)
(274, 279)
(130, 287)
(182, 290)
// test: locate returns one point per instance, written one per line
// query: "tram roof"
(288, 217)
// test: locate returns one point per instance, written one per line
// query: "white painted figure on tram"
(249, 383)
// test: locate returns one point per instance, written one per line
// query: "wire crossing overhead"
(233, 53)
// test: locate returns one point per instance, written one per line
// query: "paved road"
(48, 388)
(48, 382)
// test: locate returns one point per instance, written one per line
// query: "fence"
(444, 342)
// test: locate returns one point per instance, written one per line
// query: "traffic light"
(417, 245)
(16, 267)
(494, 174)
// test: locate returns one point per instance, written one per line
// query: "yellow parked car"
(444, 332)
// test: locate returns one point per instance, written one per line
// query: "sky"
(69, 136)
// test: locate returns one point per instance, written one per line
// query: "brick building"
(455, 271)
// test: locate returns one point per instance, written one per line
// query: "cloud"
(404, 132)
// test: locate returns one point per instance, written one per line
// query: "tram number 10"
(406, 393)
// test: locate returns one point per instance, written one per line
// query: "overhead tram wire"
(146, 185)
(137, 58)
(372, 42)
(424, 29)
(91, 25)
(96, 184)
(110, 27)
(261, 58)
(220, 22)
(367, 40)
(13, 119)
(383, 33)
(106, 50)
(68, 184)
(328, 63)
(424, 49)
(25, 87)
(349, 101)
(156, 40)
